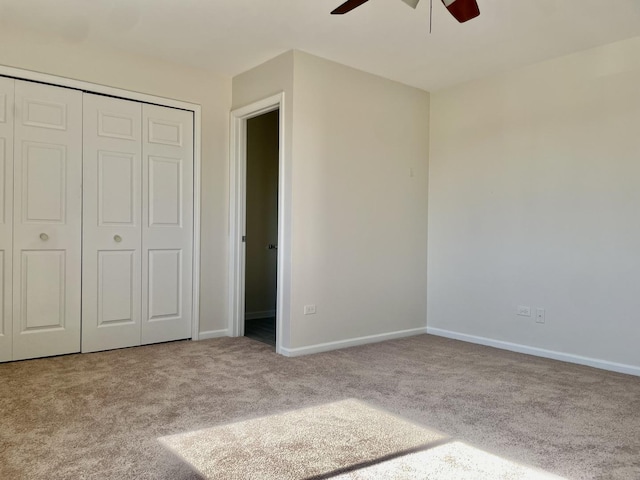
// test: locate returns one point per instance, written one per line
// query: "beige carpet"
(476, 413)
(346, 440)
(300, 444)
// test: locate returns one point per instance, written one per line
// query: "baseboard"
(353, 342)
(213, 334)
(538, 352)
(258, 315)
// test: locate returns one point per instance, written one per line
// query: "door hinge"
(244, 238)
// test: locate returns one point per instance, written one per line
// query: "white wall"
(359, 218)
(271, 78)
(534, 200)
(50, 54)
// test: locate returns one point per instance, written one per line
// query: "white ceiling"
(384, 37)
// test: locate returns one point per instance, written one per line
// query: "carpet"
(301, 444)
(341, 440)
(102, 415)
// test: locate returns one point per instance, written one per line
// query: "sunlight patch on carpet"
(300, 444)
(342, 440)
(452, 461)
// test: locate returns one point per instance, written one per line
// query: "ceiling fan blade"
(462, 10)
(347, 6)
(411, 3)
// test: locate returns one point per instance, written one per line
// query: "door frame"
(21, 74)
(237, 216)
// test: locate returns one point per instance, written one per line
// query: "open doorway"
(281, 248)
(261, 227)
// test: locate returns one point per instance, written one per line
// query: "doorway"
(261, 227)
(240, 119)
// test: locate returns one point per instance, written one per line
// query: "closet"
(96, 221)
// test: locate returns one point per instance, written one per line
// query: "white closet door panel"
(165, 285)
(167, 224)
(7, 86)
(112, 228)
(43, 290)
(47, 220)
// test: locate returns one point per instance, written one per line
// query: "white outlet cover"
(540, 314)
(309, 309)
(523, 311)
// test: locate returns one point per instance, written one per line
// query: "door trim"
(89, 87)
(237, 217)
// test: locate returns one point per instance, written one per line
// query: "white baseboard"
(538, 352)
(353, 342)
(213, 334)
(258, 315)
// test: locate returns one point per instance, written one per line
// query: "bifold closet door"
(7, 87)
(167, 234)
(138, 224)
(112, 228)
(47, 220)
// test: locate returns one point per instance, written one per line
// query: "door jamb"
(237, 215)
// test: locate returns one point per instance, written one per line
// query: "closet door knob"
(44, 237)
(117, 238)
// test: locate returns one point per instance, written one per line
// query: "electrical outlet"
(540, 315)
(309, 309)
(524, 311)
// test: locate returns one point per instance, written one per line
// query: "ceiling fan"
(462, 10)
